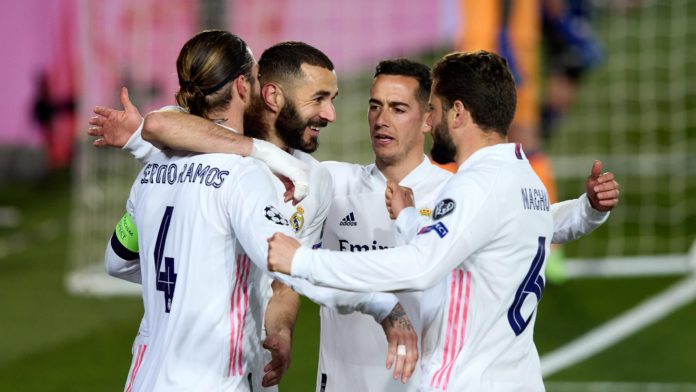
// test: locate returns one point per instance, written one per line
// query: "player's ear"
(272, 96)
(427, 125)
(460, 116)
(243, 87)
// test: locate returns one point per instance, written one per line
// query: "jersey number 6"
(533, 283)
(165, 280)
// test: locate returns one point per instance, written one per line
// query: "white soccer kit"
(195, 213)
(200, 219)
(480, 260)
(351, 353)
(306, 219)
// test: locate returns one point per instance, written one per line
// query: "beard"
(254, 126)
(443, 151)
(291, 127)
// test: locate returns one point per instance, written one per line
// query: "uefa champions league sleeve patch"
(273, 215)
(438, 228)
(443, 208)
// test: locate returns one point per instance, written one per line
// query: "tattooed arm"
(400, 332)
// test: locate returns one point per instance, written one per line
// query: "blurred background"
(614, 80)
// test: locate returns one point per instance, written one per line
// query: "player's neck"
(270, 133)
(481, 139)
(236, 125)
(229, 118)
(275, 139)
(398, 170)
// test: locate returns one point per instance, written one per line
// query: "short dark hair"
(283, 61)
(412, 69)
(483, 83)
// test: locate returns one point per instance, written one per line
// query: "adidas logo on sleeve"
(349, 220)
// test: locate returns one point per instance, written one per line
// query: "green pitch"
(51, 341)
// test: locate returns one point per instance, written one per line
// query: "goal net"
(637, 113)
(129, 43)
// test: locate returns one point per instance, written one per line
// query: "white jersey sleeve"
(467, 218)
(575, 218)
(572, 219)
(408, 222)
(119, 261)
(449, 242)
(321, 185)
(485, 241)
(256, 218)
(138, 147)
(121, 268)
(141, 149)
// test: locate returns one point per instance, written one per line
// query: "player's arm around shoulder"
(182, 131)
(144, 149)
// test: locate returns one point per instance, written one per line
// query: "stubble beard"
(443, 150)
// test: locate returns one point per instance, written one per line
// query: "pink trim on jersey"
(462, 332)
(136, 366)
(454, 338)
(239, 303)
(235, 287)
(455, 294)
(438, 374)
(240, 342)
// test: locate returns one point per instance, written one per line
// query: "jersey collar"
(412, 179)
(504, 149)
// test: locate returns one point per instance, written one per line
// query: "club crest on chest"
(297, 219)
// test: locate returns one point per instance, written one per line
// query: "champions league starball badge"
(273, 215)
(443, 208)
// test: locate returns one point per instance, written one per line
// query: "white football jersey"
(353, 348)
(199, 219)
(480, 259)
(306, 220)
(307, 217)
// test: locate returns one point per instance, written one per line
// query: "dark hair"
(483, 83)
(283, 61)
(412, 69)
(206, 65)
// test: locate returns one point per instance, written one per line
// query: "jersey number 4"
(165, 281)
(533, 283)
